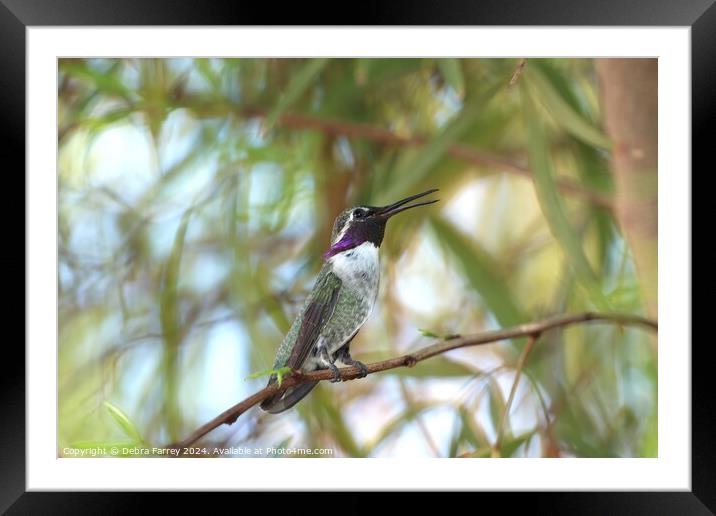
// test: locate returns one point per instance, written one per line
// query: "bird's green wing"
(317, 313)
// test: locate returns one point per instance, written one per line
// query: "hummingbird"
(342, 298)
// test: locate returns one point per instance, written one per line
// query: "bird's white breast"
(359, 269)
(359, 272)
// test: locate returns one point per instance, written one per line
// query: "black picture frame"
(17, 15)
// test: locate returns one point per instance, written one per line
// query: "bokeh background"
(197, 195)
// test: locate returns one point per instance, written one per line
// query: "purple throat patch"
(343, 244)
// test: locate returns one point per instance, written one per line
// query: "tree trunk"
(629, 90)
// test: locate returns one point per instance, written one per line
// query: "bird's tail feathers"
(285, 400)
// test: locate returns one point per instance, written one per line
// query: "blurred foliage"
(196, 197)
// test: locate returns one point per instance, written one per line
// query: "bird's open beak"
(388, 211)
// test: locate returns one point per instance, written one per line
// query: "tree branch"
(336, 127)
(456, 150)
(454, 342)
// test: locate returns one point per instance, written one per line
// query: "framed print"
(442, 258)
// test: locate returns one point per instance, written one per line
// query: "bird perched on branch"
(340, 302)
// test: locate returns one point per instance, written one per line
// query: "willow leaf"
(562, 112)
(551, 202)
(123, 421)
(481, 271)
(298, 85)
(451, 71)
(412, 171)
(168, 302)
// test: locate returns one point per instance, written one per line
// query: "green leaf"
(96, 124)
(280, 373)
(126, 424)
(481, 271)
(456, 438)
(466, 431)
(551, 202)
(336, 425)
(361, 70)
(399, 422)
(567, 118)
(298, 85)
(428, 333)
(171, 327)
(593, 170)
(203, 66)
(497, 404)
(412, 171)
(168, 298)
(482, 453)
(452, 73)
(626, 297)
(471, 432)
(650, 442)
(106, 82)
(589, 161)
(271, 304)
(383, 71)
(509, 446)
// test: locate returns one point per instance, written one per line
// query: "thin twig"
(497, 451)
(518, 71)
(350, 373)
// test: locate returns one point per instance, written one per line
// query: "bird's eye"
(360, 213)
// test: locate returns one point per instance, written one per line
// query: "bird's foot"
(363, 368)
(336, 373)
(330, 363)
(346, 358)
